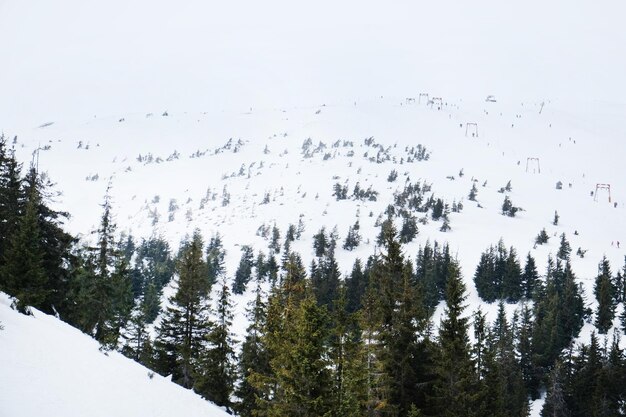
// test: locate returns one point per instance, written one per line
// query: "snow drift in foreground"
(48, 367)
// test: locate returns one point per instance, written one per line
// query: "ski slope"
(52, 368)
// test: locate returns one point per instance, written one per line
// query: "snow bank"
(48, 367)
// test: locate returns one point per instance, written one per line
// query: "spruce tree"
(564, 249)
(473, 192)
(181, 336)
(253, 358)
(297, 331)
(555, 404)
(244, 270)
(215, 254)
(529, 277)
(348, 363)
(10, 198)
(455, 386)
(22, 272)
(217, 379)
(605, 295)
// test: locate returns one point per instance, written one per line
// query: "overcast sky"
(73, 59)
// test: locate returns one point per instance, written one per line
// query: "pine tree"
(215, 255)
(542, 237)
(473, 192)
(455, 387)
(348, 364)
(320, 243)
(297, 331)
(409, 229)
(137, 344)
(564, 249)
(504, 380)
(253, 358)
(512, 278)
(275, 242)
(356, 285)
(244, 270)
(217, 379)
(353, 239)
(555, 404)
(10, 198)
(605, 295)
(22, 272)
(507, 207)
(325, 279)
(181, 339)
(529, 277)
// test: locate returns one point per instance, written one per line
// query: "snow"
(50, 367)
(273, 74)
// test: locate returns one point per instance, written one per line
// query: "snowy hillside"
(49, 366)
(191, 160)
(248, 116)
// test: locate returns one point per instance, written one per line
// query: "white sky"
(77, 58)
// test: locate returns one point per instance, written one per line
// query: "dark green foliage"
(340, 192)
(217, 378)
(438, 209)
(392, 316)
(529, 277)
(11, 196)
(182, 333)
(588, 382)
(393, 175)
(498, 275)
(254, 357)
(508, 209)
(353, 239)
(275, 241)
(409, 229)
(244, 270)
(473, 192)
(555, 404)
(23, 274)
(320, 242)
(154, 268)
(348, 361)
(542, 237)
(432, 272)
(296, 333)
(605, 293)
(564, 249)
(559, 312)
(325, 279)
(356, 284)
(101, 288)
(386, 228)
(215, 254)
(138, 345)
(555, 221)
(455, 389)
(503, 382)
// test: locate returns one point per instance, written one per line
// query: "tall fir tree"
(181, 336)
(605, 292)
(22, 272)
(455, 387)
(253, 358)
(217, 379)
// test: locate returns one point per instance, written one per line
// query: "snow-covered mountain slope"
(49, 367)
(189, 160)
